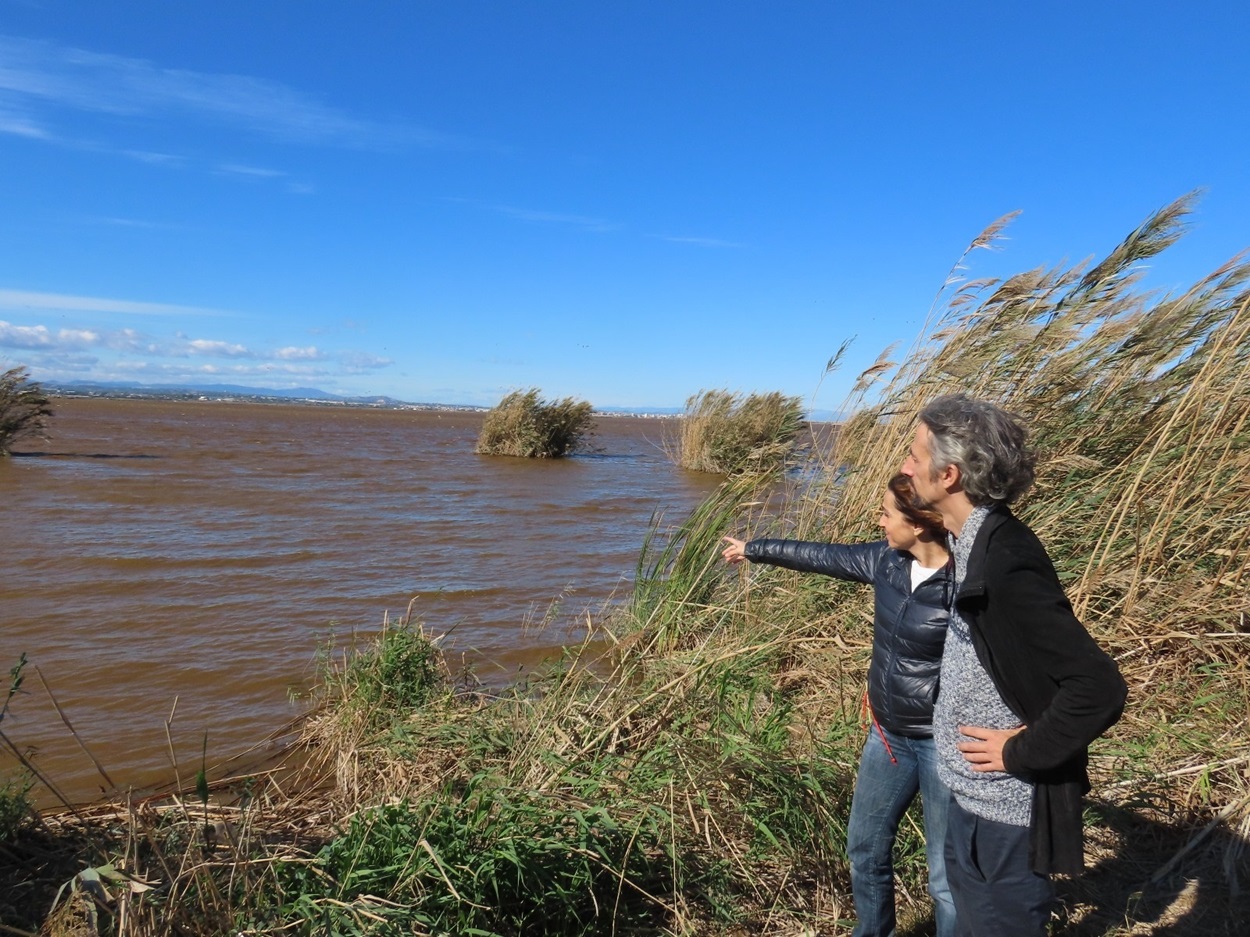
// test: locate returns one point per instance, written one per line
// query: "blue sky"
(621, 202)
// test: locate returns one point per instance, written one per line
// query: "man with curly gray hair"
(1024, 688)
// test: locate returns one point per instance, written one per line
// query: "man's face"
(918, 466)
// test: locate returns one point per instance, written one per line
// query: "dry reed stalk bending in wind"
(688, 768)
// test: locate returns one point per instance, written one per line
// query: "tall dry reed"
(732, 434)
(687, 770)
(527, 426)
(1138, 406)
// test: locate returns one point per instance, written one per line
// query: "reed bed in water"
(526, 426)
(688, 769)
(729, 434)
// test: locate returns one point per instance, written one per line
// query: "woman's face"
(900, 533)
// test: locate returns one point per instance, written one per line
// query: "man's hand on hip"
(984, 747)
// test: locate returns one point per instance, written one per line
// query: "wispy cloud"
(697, 241)
(256, 171)
(20, 125)
(132, 223)
(61, 302)
(154, 159)
(37, 78)
(357, 362)
(538, 216)
(584, 222)
(23, 299)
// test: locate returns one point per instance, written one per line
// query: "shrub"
(14, 805)
(24, 408)
(725, 433)
(524, 425)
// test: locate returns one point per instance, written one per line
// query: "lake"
(171, 568)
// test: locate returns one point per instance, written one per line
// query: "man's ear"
(951, 478)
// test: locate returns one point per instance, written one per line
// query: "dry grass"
(687, 771)
(1139, 409)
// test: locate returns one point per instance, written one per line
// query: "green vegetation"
(728, 434)
(552, 810)
(524, 425)
(14, 805)
(688, 769)
(24, 409)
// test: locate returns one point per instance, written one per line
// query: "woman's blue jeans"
(883, 790)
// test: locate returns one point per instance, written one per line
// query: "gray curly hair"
(985, 442)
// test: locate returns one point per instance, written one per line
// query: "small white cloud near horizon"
(40, 337)
(218, 349)
(291, 353)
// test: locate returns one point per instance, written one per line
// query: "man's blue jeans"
(883, 790)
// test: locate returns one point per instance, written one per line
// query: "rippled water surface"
(201, 552)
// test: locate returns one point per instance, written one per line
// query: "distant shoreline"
(317, 398)
(233, 396)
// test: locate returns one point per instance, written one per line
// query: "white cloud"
(76, 353)
(41, 337)
(292, 353)
(24, 336)
(218, 349)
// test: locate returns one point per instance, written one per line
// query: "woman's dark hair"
(918, 513)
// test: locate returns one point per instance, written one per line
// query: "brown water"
(200, 553)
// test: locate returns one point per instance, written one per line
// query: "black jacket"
(909, 628)
(1063, 687)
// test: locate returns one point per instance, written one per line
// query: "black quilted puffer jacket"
(909, 628)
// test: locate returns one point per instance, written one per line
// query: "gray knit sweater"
(967, 697)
